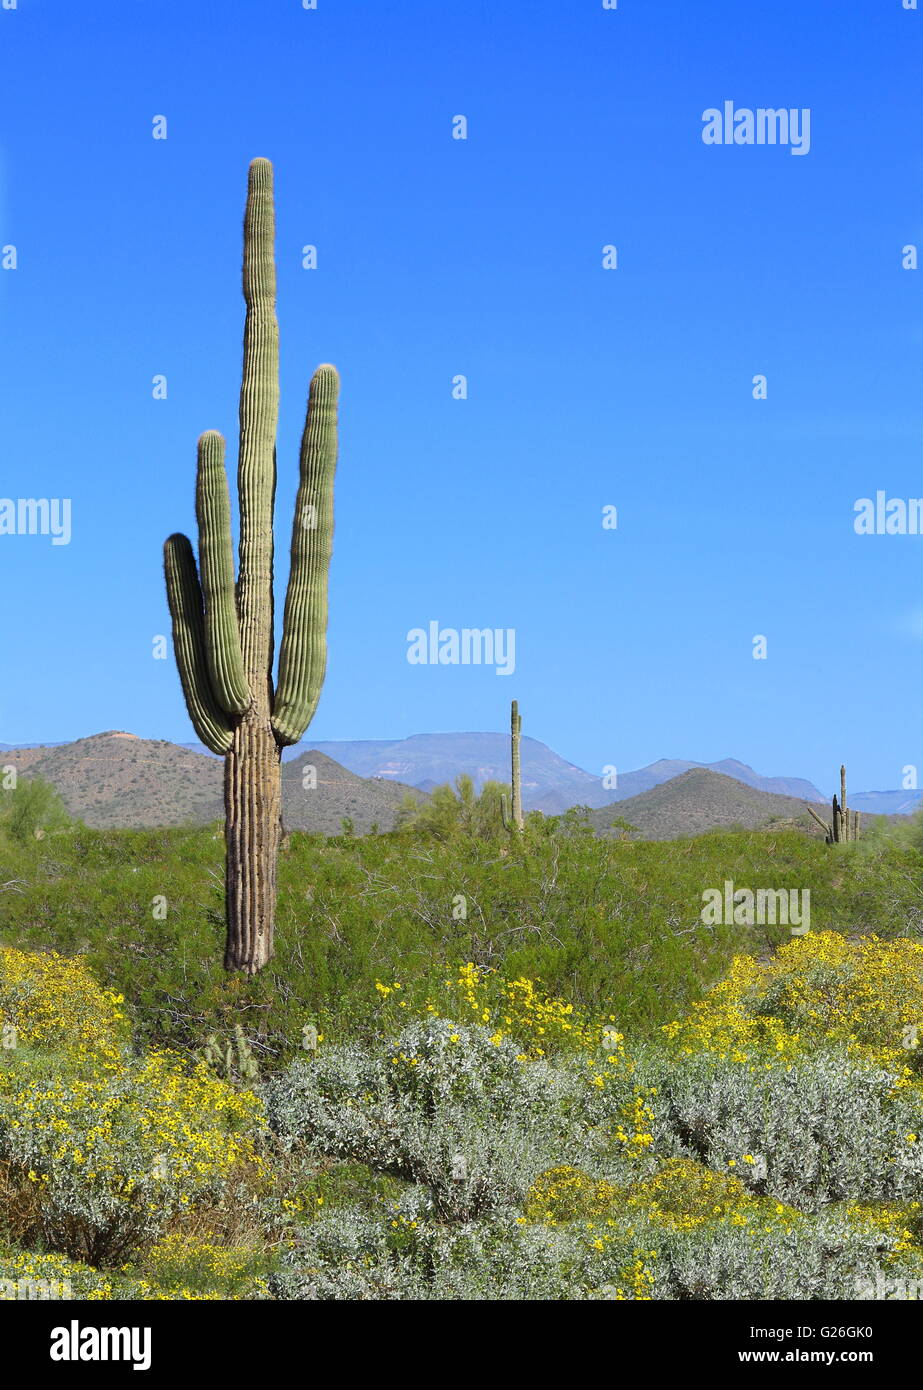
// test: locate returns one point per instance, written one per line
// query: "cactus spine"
(514, 820)
(222, 630)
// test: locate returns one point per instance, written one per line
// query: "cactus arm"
(303, 653)
(259, 409)
(184, 596)
(216, 563)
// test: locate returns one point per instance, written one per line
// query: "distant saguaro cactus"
(222, 631)
(514, 820)
(845, 823)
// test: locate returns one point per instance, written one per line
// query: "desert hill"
(701, 800)
(117, 779)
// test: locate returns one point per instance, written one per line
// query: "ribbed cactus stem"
(303, 653)
(259, 411)
(222, 631)
(216, 561)
(845, 822)
(515, 730)
(184, 597)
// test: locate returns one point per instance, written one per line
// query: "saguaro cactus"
(513, 820)
(222, 632)
(845, 823)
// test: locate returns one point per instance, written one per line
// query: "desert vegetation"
(480, 1066)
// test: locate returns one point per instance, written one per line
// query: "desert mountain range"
(117, 779)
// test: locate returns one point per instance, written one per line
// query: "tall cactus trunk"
(253, 831)
(252, 775)
(512, 815)
(844, 825)
(516, 769)
(223, 630)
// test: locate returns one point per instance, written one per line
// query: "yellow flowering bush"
(567, 1194)
(818, 989)
(143, 1291)
(114, 1154)
(53, 1004)
(25, 1275)
(178, 1270)
(688, 1231)
(684, 1195)
(635, 1281)
(518, 1009)
(895, 1221)
(180, 1262)
(98, 1148)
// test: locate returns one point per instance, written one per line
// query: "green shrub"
(612, 926)
(32, 808)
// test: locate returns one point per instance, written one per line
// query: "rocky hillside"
(116, 779)
(701, 800)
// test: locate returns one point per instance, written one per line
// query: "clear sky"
(587, 387)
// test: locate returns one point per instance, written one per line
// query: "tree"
(455, 811)
(34, 807)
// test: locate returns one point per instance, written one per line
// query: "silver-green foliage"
(822, 1257)
(403, 1252)
(824, 1129)
(442, 1106)
(469, 1125)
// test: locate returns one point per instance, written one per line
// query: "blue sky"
(482, 257)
